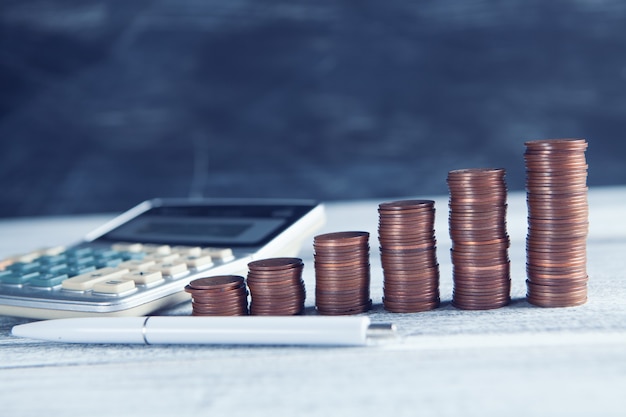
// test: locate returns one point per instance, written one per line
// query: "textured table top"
(518, 360)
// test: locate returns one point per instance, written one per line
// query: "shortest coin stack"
(276, 287)
(408, 254)
(342, 273)
(223, 295)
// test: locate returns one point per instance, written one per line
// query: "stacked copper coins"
(406, 232)
(479, 238)
(556, 258)
(276, 287)
(342, 273)
(223, 295)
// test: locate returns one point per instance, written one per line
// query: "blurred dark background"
(104, 103)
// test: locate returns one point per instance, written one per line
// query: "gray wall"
(106, 103)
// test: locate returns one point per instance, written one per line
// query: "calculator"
(140, 261)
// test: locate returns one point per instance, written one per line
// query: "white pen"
(242, 330)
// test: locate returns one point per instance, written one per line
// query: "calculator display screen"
(214, 225)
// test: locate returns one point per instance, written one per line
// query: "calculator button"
(127, 247)
(159, 258)
(114, 286)
(157, 249)
(107, 254)
(79, 252)
(171, 269)
(48, 280)
(52, 259)
(143, 277)
(23, 267)
(55, 268)
(28, 257)
(52, 251)
(224, 254)
(111, 262)
(74, 270)
(84, 261)
(18, 278)
(198, 262)
(132, 255)
(187, 250)
(87, 281)
(137, 265)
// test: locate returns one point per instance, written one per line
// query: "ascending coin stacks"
(408, 255)
(556, 185)
(342, 273)
(481, 267)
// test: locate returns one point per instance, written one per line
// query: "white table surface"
(517, 360)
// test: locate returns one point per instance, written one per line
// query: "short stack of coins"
(223, 295)
(276, 287)
(406, 232)
(556, 244)
(342, 273)
(480, 241)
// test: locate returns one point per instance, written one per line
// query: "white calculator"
(140, 261)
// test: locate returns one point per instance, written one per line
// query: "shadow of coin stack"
(223, 295)
(406, 232)
(480, 241)
(556, 251)
(342, 273)
(276, 287)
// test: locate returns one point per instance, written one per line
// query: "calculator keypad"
(115, 270)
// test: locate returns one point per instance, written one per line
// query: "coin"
(410, 306)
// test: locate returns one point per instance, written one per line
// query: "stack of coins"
(556, 244)
(406, 232)
(342, 273)
(479, 239)
(276, 287)
(223, 295)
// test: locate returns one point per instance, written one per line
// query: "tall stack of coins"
(406, 232)
(223, 295)
(276, 287)
(556, 244)
(479, 238)
(342, 273)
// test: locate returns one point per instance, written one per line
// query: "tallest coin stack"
(556, 245)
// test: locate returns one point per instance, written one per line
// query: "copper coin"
(214, 309)
(552, 303)
(403, 205)
(219, 295)
(273, 264)
(489, 305)
(221, 281)
(431, 271)
(362, 308)
(219, 308)
(429, 259)
(341, 238)
(410, 306)
(411, 286)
